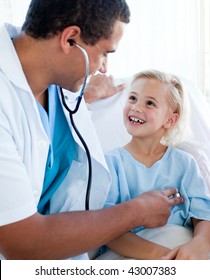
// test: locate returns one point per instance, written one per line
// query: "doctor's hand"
(101, 86)
(155, 206)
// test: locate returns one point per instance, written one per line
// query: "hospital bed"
(108, 121)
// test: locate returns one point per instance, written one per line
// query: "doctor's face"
(98, 55)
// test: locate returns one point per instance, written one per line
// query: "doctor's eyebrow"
(111, 51)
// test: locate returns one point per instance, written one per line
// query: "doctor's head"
(155, 107)
(95, 18)
(95, 25)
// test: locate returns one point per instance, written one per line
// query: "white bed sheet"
(169, 236)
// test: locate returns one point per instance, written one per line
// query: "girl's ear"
(171, 121)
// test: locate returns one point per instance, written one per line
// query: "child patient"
(153, 116)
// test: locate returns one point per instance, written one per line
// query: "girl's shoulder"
(182, 155)
(117, 153)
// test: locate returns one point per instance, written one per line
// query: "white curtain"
(13, 11)
(204, 50)
(162, 34)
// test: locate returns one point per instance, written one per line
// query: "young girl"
(153, 116)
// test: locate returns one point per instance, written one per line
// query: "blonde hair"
(176, 99)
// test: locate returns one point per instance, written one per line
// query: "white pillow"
(107, 116)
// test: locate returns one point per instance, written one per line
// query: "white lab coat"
(24, 148)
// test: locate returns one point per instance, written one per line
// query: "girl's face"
(147, 112)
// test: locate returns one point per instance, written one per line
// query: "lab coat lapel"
(101, 175)
(85, 126)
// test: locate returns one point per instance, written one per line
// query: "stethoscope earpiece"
(71, 42)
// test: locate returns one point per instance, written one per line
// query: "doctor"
(40, 157)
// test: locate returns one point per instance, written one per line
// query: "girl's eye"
(151, 103)
(132, 98)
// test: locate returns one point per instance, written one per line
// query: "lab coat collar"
(9, 63)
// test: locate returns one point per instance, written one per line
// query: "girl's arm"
(132, 246)
(198, 248)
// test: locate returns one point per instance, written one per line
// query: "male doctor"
(40, 155)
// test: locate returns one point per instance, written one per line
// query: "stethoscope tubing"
(72, 112)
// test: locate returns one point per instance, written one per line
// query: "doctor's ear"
(171, 121)
(68, 37)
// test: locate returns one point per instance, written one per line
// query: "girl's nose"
(137, 108)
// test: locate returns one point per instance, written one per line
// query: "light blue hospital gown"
(176, 168)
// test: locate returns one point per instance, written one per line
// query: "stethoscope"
(72, 112)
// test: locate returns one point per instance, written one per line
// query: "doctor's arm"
(63, 235)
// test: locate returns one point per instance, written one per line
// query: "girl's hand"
(196, 249)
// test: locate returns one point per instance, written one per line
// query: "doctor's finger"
(176, 200)
(169, 192)
(116, 89)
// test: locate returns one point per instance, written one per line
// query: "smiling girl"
(154, 117)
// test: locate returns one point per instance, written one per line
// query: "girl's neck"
(146, 152)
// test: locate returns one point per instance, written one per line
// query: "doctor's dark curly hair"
(96, 18)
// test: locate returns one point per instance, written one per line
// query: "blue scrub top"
(61, 151)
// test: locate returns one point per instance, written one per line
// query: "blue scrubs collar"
(61, 151)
